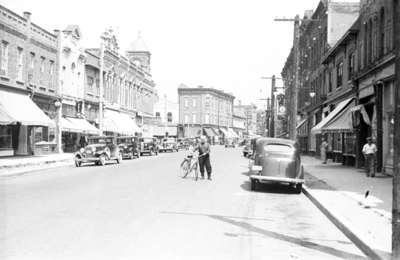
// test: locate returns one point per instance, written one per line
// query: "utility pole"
(273, 109)
(396, 139)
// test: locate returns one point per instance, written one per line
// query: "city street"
(143, 209)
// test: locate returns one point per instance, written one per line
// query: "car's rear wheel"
(102, 160)
(298, 188)
(245, 154)
(253, 184)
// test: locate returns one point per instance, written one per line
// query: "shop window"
(349, 144)
(52, 135)
(5, 137)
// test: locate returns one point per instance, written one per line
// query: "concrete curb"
(32, 167)
(364, 247)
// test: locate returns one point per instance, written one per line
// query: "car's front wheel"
(102, 160)
(78, 163)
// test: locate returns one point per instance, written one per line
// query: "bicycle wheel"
(194, 169)
(185, 169)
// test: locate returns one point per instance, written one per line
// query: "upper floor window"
(169, 117)
(186, 102)
(90, 82)
(207, 118)
(330, 80)
(42, 61)
(4, 58)
(186, 119)
(32, 61)
(158, 115)
(382, 32)
(194, 102)
(339, 74)
(51, 68)
(194, 119)
(20, 63)
(351, 65)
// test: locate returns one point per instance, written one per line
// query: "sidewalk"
(339, 191)
(11, 166)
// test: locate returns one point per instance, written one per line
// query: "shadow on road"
(290, 239)
(270, 188)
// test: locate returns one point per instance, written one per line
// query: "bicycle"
(190, 164)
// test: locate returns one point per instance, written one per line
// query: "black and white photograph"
(200, 130)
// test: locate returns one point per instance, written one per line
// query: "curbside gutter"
(20, 169)
(363, 246)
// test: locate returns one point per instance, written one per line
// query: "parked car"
(183, 144)
(148, 146)
(129, 146)
(276, 161)
(168, 144)
(230, 142)
(100, 150)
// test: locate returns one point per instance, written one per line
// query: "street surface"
(142, 209)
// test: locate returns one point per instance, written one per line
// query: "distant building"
(250, 112)
(239, 122)
(166, 114)
(205, 111)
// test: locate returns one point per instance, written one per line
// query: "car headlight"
(81, 150)
(93, 149)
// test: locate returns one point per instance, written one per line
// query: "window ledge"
(20, 82)
(4, 77)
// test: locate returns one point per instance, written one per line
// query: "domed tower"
(139, 54)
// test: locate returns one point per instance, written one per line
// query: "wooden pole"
(396, 139)
(293, 133)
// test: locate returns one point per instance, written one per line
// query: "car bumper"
(272, 179)
(87, 160)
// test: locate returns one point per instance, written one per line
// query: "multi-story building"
(320, 31)
(74, 127)
(250, 112)
(128, 90)
(28, 85)
(239, 123)
(206, 111)
(166, 114)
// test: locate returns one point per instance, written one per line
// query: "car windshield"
(100, 141)
(279, 148)
(125, 140)
(147, 140)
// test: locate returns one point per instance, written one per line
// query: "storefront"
(302, 135)
(75, 132)
(119, 123)
(24, 126)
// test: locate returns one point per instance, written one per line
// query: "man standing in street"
(204, 157)
(369, 150)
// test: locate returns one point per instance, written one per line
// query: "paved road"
(142, 209)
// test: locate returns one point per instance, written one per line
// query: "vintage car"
(168, 144)
(276, 161)
(99, 150)
(129, 146)
(230, 142)
(148, 145)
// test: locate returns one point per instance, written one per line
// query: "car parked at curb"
(129, 146)
(148, 145)
(168, 145)
(100, 150)
(276, 161)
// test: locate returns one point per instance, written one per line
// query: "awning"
(77, 125)
(361, 109)
(224, 131)
(317, 129)
(209, 132)
(120, 123)
(20, 108)
(342, 122)
(233, 133)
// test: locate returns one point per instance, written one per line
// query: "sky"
(224, 44)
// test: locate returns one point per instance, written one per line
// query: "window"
(32, 61)
(186, 119)
(382, 32)
(194, 102)
(90, 82)
(73, 66)
(20, 63)
(42, 60)
(351, 65)
(207, 118)
(194, 121)
(279, 148)
(51, 68)
(169, 117)
(339, 74)
(186, 103)
(4, 59)
(330, 81)
(158, 115)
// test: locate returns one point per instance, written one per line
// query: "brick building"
(28, 85)
(205, 111)
(250, 112)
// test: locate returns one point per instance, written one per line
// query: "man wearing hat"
(369, 150)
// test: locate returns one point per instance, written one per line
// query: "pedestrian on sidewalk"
(369, 150)
(204, 157)
(324, 149)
